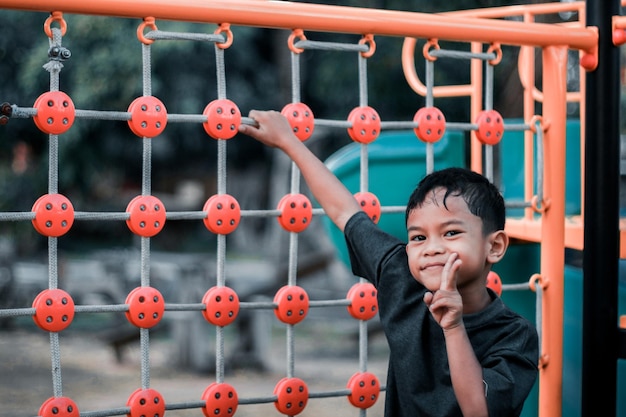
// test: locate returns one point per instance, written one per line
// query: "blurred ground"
(326, 356)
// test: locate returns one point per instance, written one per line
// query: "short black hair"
(482, 197)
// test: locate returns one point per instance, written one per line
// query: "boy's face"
(435, 232)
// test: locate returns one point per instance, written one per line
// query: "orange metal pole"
(526, 70)
(476, 105)
(324, 18)
(553, 230)
(520, 10)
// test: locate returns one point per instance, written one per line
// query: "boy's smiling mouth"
(432, 265)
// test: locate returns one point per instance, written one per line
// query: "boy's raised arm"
(274, 130)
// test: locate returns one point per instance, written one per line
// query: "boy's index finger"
(448, 276)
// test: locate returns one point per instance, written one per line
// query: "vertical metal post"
(553, 230)
(601, 242)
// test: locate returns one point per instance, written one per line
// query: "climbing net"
(53, 215)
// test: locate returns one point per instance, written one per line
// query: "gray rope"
(17, 216)
(221, 73)
(83, 215)
(103, 115)
(186, 118)
(55, 353)
(539, 158)
(293, 237)
(221, 239)
(145, 261)
(146, 184)
(430, 82)
(363, 177)
(221, 166)
(515, 287)
(291, 280)
(53, 164)
(330, 46)
(489, 106)
(107, 308)
(539, 311)
(54, 66)
(147, 69)
(295, 77)
(144, 342)
(219, 333)
(219, 354)
(290, 351)
(488, 86)
(106, 413)
(363, 97)
(53, 263)
(17, 312)
(203, 37)
(364, 187)
(450, 53)
(363, 337)
(186, 215)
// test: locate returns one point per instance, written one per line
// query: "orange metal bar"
(325, 18)
(526, 70)
(520, 10)
(476, 105)
(553, 230)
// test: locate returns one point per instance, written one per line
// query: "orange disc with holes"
(146, 402)
(494, 282)
(223, 214)
(145, 307)
(431, 124)
(59, 407)
(147, 215)
(364, 389)
(220, 400)
(54, 215)
(55, 112)
(490, 127)
(364, 304)
(296, 212)
(222, 306)
(292, 396)
(292, 304)
(54, 310)
(365, 124)
(223, 119)
(148, 116)
(369, 204)
(301, 119)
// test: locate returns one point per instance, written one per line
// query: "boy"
(455, 348)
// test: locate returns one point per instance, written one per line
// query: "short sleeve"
(369, 247)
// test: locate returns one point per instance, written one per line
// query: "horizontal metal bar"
(328, 18)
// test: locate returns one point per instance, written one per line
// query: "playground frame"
(597, 233)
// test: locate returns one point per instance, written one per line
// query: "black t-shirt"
(418, 378)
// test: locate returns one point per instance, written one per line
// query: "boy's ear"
(498, 243)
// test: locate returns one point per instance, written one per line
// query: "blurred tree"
(101, 161)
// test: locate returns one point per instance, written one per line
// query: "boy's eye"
(418, 237)
(452, 232)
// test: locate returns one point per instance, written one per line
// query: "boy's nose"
(434, 246)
